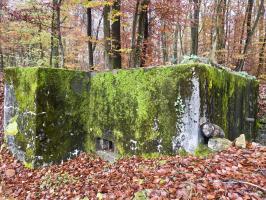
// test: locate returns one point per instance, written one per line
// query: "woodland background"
(101, 35)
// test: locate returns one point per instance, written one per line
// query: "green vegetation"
(12, 127)
(182, 152)
(202, 151)
(141, 195)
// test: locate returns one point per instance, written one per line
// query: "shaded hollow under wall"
(139, 111)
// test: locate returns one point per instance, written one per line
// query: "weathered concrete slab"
(53, 114)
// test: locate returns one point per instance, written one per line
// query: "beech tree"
(133, 34)
(195, 26)
(250, 29)
(220, 31)
(89, 34)
(56, 37)
(262, 42)
(107, 36)
(142, 34)
(175, 45)
(164, 38)
(116, 37)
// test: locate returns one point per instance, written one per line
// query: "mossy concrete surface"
(47, 105)
(57, 113)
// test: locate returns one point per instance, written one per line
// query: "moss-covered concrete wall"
(228, 99)
(139, 110)
(43, 113)
(20, 112)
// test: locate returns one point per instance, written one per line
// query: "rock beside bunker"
(219, 144)
(241, 141)
(212, 130)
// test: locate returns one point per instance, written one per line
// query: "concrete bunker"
(57, 113)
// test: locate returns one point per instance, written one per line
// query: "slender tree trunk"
(89, 34)
(181, 36)
(59, 35)
(133, 35)
(55, 31)
(212, 38)
(107, 37)
(228, 30)
(195, 27)
(205, 29)
(220, 32)
(164, 44)
(142, 36)
(52, 39)
(116, 37)
(40, 43)
(250, 30)
(62, 51)
(13, 60)
(97, 34)
(243, 30)
(262, 41)
(175, 46)
(146, 37)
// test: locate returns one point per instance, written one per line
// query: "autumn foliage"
(222, 32)
(232, 174)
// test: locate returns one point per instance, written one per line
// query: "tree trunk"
(164, 44)
(133, 36)
(195, 27)
(40, 43)
(97, 34)
(250, 30)
(262, 41)
(220, 32)
(228, 30)
(146, 36)
(181, 36)
(116, 37)
(89, 34)
(242, 33)
(175, 56)
(59, 34)
(107, 36)
(55, 34)
(142, 35)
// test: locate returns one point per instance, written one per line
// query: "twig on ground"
(233, 181)
(262, 171)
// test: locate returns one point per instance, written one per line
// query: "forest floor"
(231, 174)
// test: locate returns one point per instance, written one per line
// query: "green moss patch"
(12, 127)
(202, 151)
